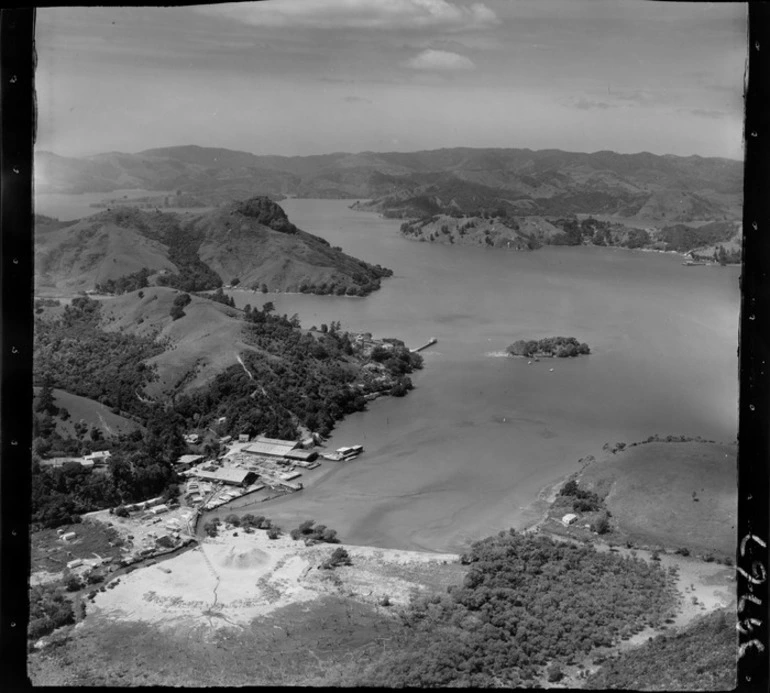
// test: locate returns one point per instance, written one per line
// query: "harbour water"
(466, 452)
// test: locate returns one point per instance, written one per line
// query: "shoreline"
(681, 254)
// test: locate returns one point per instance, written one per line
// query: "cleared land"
(50, 554)
(651, 491)
(199, 617)
(237, 577)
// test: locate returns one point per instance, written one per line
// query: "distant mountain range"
(460, 181)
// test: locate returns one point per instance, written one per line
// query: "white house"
(568, 519)
(98, 456)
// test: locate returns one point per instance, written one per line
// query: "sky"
(299, 77)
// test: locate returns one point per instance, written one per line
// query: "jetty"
(430, 342)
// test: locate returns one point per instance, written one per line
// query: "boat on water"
(344, 454)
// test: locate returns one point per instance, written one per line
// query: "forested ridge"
(527, 603)
(297, 377)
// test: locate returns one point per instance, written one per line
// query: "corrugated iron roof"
(237, 476)
(262, 447)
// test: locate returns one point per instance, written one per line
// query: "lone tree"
(602, 524)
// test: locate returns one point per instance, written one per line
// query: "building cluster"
(248, 465)
(365, 343)
(92, 459)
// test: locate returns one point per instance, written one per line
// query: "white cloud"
(357, 14)
(439, 60)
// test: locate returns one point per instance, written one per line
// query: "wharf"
(430, 342)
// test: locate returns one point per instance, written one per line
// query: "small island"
(549, 347)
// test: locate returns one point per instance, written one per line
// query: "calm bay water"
(66, 207)
(463, 454)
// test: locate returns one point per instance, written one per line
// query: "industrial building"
(187, 461)
(233, 477)
(285, 449)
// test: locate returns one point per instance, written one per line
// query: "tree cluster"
(561, 347)
(582, 499)
(526, 601)
(183, 245)
(702, 657)
(682, 238)
(141, 467)
(299, 377)
(81, 358)
(48, 609)
(124, 284)
(339, 557)
(314, 534)
(219, 296)
(177, 308)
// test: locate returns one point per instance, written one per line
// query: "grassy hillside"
(255, 242)
(93, 413)
(252, 241)
(201, 344)
(75, 257)
(524, 233)
(500, 229)
(652, 491)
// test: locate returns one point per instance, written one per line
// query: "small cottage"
(568, 519)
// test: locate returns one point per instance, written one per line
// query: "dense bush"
(124, 284)
(78, 356)
(339, 557)
(582, 500)
(682, 238)
(560, 347)
(702, 657)
(526, 601)
(299, 377)
(183, 245)
(48, 609)
(141, 467)
(219, 296)
(177, 308)
(313, 533)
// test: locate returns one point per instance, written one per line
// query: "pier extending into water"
(431, 342)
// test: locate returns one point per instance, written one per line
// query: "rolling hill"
(206, 341)
(93, 413)
(75, 257)
(252, 241)
(546, 182)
